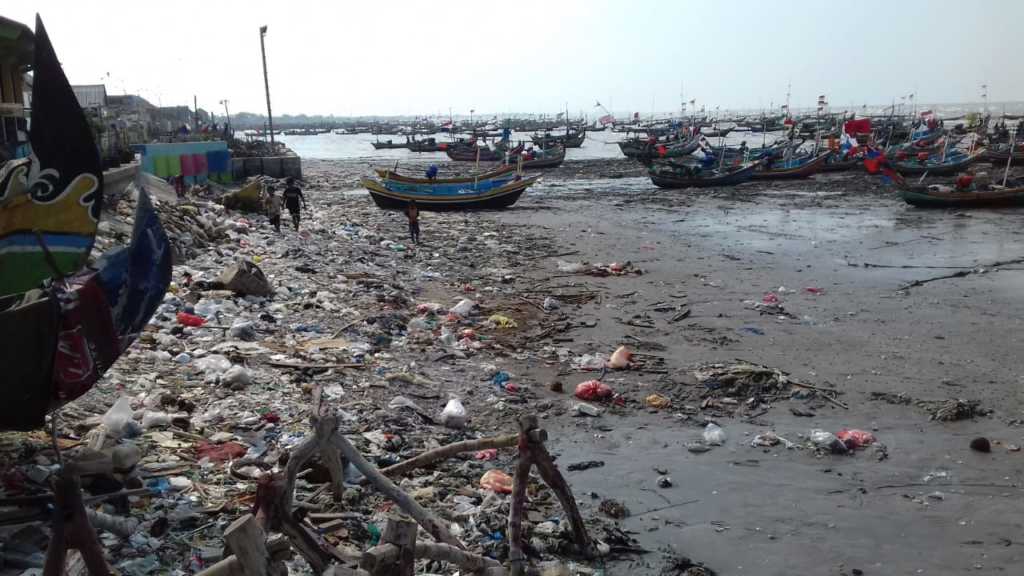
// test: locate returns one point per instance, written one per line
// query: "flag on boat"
(855, 127)
(49, 202)
(606, 120)
(926, 113)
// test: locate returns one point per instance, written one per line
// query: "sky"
(397, 57)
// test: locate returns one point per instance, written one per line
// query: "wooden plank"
(248, 544)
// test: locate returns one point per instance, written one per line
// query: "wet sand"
(932, 507)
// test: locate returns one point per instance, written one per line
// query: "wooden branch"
(516, 557)
(447, 451)
(410, 506)
(325, 423)
(549, 472)
(396, 555)
(464, 560)
(71, 528)
(274, 512)
(248, 543)
(277, 547)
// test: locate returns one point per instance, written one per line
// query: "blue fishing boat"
(670, 175)
(468, 196)
(802, 167)
(951, 163)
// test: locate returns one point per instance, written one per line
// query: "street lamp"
(227, 116)
(266, 85)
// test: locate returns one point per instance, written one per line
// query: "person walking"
(292, 196)
(412, 211)
(274, 209)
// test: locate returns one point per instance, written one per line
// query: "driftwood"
(396, 554)
(71, 528)
(410, 506)
(123, 527)
(277, 547)
(533, 452)
(447, 451)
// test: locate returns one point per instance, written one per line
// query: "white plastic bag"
(464, 308)
(714, 435)
(570, 267)
(454, 414)
(118, 416)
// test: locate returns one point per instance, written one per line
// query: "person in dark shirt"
(412, 211)
(292, 197)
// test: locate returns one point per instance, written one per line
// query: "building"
(16, 50)
(91, 97)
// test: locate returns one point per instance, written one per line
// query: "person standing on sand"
(274, 209)
(292, 196)
(412, 211)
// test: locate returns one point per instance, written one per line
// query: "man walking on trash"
(292, 196)
(274, 209)
(412, 211)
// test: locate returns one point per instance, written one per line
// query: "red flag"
(854, 127)
(606, 120)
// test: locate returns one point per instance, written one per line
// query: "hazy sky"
(422, 57)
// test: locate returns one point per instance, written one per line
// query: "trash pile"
(406, 343)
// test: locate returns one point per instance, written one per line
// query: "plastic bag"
(658, 401)
(551, 303)
(403, 402)
(487, 454)
(118, 416)
(570, 267)
(502, 321)
(620, 358)
(464, 308)
(155, 420)
(213, 364)
(186, 319)
(589, 362)
(855, 438)
(713, 435)
(827, 440)
(497, 481)
(593, 390)
(237, 375)
(454, 414)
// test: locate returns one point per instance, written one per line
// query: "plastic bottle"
(714, 435)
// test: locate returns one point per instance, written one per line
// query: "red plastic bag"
(220, 452)
(593, 390)
(488, 454)
(855, 438)
(814, 290)
(770, 298)
(186, 319)
(497, 481)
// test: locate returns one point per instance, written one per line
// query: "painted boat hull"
(496, 198)
(805, 170)
(386, 174)
(945, 169)
(924, 198)
(730, 179)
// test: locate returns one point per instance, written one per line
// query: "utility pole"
(195, 109)
(266, 84)
(227, 117)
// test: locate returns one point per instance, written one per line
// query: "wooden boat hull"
(1000, 158)
(717, 133)
(842, 165)
(947, 169)
(572, 141)
(663, 180)
(496, 198)
(541, 163)
(388, 145)
(464, 154)
(923, 197)
(386, 174)
(641, 149)
(804, 170)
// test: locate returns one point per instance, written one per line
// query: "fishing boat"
(425, 145)
(550, 158)
(568, 140)
(667, 175)
(837, 163)
(718, 133)
(389, 145)
(638, 148)
(391, 175)
(472, 152)
(793, 168)
(464, 198)
(936, 165)
(936, 196)
(1001, 155)
(63, 323)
